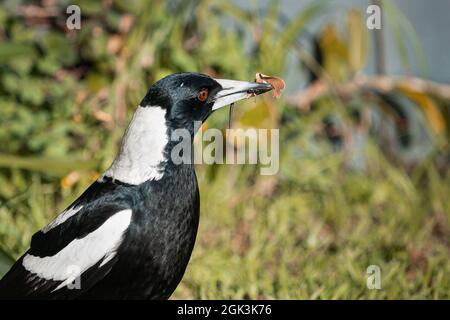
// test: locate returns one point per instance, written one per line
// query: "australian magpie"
(131, 233)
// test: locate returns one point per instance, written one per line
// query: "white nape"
(63, 216)
(81, 253)
(142, 149)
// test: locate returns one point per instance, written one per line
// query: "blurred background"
(364, 135)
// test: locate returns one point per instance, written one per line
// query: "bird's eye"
(203, 94)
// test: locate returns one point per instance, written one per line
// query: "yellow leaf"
(70, 179)
(357, 40)
(256, 115)
(335, 54)
(431, 111)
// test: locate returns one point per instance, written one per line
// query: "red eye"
(203, 95)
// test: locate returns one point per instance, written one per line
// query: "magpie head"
(189, 97)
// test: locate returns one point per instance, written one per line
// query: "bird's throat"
(142, 153)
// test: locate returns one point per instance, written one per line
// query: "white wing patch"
(142, 149)
(63, 216)
(81, 253)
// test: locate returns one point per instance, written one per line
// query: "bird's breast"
(161, 237)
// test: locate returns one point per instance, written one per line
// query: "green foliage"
(317, 236)
(309, 232)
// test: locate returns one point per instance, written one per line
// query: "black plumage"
(153, 250)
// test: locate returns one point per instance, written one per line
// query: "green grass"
(316, 241)
(309, 232)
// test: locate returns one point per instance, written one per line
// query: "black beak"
(233, 91)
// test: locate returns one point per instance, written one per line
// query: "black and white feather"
(131, 233)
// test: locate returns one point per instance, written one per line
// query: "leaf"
(5, 262)
(90, 7)
(255, 115)
(399, 22)
(96, 82)
(51, 165)
(298, 23)
(357, 40)
(335, 54)
(183, 60)
(34, 93)
(235, 11)
(58, 48)
(12, 50)
(429, 108)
